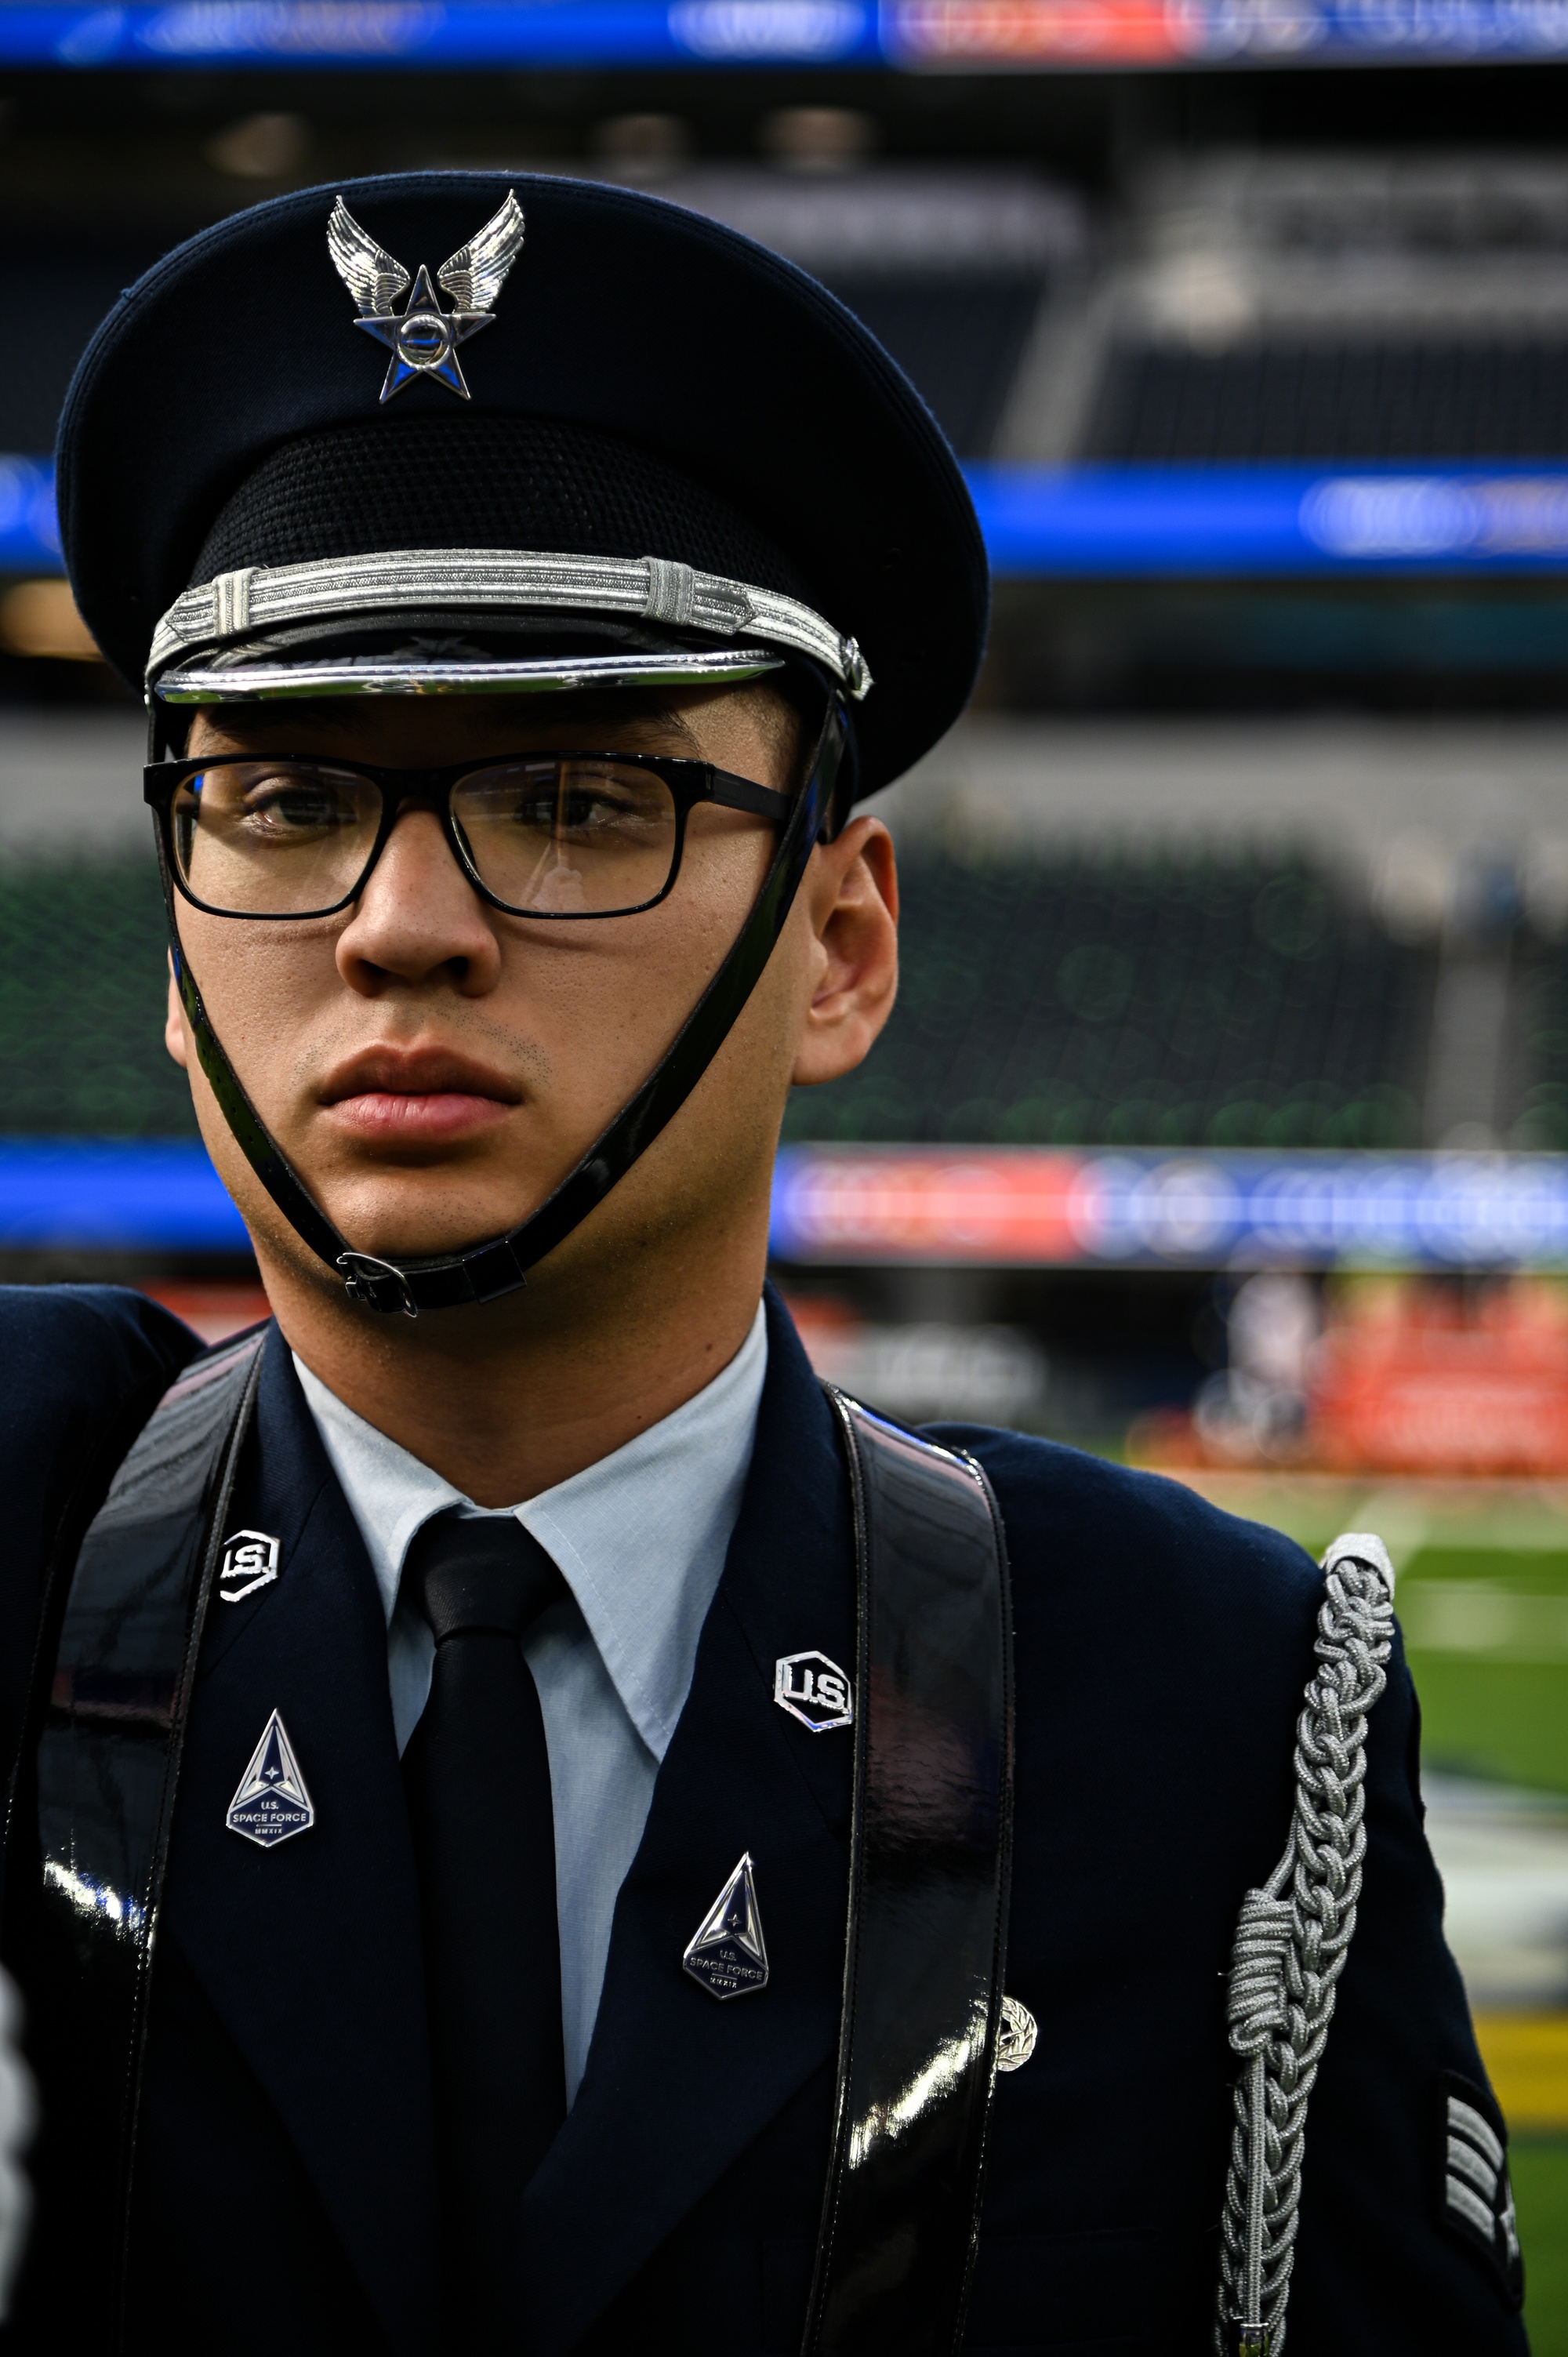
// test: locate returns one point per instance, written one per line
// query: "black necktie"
(476, 1775)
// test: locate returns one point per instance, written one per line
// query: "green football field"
(1540, 2191)
(1483, 1594)
(1506, 1718)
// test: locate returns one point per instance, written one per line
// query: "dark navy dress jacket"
(286, 2193)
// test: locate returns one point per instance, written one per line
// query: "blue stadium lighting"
(29, 538)
(452, 33)
(1245, 520)
(80, 1194)
(967, 35)
(1145, 521)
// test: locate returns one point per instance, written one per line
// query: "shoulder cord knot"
(1292, 1940)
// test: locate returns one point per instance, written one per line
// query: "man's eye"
(582, 810)
(287, 805)
(578, 810)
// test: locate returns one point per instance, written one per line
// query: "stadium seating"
(1227, 1001)
(1409, 399)
(1543, 1120)
(1298, 306)
(83, 950)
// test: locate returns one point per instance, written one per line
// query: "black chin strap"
(486, 1271)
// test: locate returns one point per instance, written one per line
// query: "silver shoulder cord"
(1292, 1940)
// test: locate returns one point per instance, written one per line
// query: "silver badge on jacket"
(726, 1952)
(248, 1561)
(271, 1804)
(814, 1690)
(423, 338)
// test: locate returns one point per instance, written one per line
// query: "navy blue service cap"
(290, 463)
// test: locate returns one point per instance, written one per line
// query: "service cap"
(289, 462)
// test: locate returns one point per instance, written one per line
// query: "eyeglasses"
(537, 835)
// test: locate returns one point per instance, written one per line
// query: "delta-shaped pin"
(726, 1952)
(271, 1802)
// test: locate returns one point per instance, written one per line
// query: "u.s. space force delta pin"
(726, 1952)
(271, 1804)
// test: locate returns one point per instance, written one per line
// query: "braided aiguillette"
(1292, 1941)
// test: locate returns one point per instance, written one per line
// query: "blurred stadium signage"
(1026, 1206)
(1241, 519)
(29, 537)
(1145, 520)
(965, 36)
(1008, 1206)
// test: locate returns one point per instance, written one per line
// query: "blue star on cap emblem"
(424, 339)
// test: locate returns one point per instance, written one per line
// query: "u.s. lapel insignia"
(726, 1952)
(423, 338)
(1015, 2035)
(248, 1561)
(813, 1690)
(271, 1804)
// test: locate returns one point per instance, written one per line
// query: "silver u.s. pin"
(248, 1561)
(814, 1690)
(726, 1952)
(271, 1802)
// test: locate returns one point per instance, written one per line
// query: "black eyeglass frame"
(689, 783)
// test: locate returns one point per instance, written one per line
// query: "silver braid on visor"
(199, 651)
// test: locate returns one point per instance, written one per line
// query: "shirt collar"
(639, 1538)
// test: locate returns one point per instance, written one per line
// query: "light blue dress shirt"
(641, 1539)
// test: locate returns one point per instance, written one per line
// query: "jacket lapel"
(310, 1950)
(677, 2084)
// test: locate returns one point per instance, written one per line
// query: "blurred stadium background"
(1223, 1122)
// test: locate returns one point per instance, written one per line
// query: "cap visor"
(246, 683)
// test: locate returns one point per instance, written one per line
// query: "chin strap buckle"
(376, 1283)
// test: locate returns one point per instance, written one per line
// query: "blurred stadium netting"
(1134, 1000)
(1221, 1118)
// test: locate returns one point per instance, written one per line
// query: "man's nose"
(418, 917)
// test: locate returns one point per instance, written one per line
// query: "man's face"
(433, 1066)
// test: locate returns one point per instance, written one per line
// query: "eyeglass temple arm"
(740, 793)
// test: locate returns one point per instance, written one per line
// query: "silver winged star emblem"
(423, 338)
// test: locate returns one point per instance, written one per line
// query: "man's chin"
(418, 1231)
(426, 1212)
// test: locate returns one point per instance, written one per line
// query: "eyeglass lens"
(563, 835)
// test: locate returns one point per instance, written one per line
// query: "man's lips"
(422, 1095)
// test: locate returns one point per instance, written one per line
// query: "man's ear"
(174, 1021)
(851, 892)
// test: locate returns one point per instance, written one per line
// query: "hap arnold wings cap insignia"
(423, 338)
